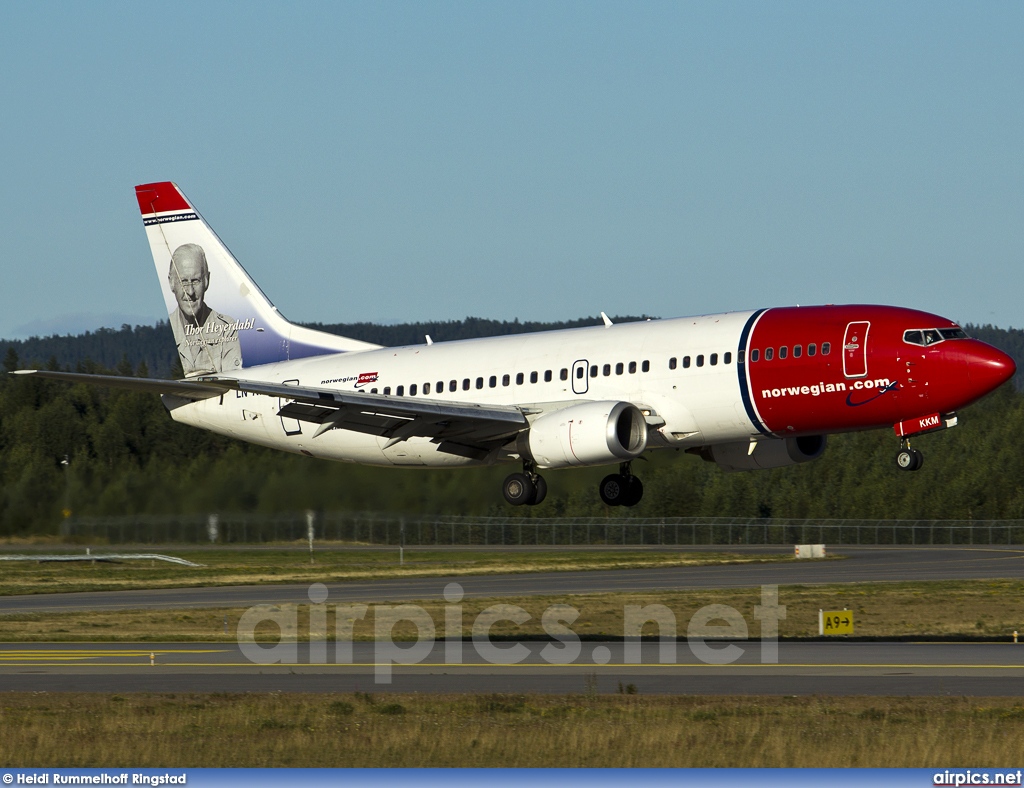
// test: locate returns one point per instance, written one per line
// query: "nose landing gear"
(908, 459)
(527, 488)
(622, 488)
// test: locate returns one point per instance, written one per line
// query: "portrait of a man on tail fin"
(207, 340)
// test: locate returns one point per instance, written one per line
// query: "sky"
(535, 160)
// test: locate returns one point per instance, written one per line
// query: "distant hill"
(129, 347)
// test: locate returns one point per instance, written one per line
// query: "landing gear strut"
(908, 459)
(622, 488)
(526, 488)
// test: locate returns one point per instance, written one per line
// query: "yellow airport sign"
(835, 622)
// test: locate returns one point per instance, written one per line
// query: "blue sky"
(406, 161)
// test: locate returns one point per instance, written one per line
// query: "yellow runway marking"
(399, 666)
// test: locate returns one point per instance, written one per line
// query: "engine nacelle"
(592, 433)
(768, 453)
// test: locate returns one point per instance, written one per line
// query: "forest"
(91, 451)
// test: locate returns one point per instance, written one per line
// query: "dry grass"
(259, 566)
(950, 608)
(148, 730)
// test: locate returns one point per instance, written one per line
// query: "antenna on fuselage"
(607, 320)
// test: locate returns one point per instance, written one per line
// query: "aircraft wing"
(460, 428)
(180, 388)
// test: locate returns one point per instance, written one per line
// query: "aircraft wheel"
(634, 491)
(909, 459)
(518, 489)
(540, 490)
(612, 489)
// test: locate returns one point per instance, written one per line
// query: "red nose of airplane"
(988, 368)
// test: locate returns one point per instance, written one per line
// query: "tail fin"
(239, 327)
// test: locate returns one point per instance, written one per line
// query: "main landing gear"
(622, 488)
(908, 459)
(526, 488)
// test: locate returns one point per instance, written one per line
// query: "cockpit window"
(929, 336)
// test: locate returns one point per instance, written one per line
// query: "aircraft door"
(855, 349)
(580, 377)
(290, 426)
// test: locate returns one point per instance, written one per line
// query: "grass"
(361, 730)
(963, 608)
(249, 567)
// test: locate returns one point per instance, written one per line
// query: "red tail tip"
(160, 198)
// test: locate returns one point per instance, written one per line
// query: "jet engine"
(592, 433)
(767, 453)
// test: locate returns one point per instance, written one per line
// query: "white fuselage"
(543, 372)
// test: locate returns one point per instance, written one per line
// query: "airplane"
(746, 390)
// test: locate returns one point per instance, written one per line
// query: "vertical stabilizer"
(222, 321)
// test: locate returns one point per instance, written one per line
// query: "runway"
(832, 668)
(861, 564)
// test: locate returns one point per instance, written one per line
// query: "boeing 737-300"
(746, 390)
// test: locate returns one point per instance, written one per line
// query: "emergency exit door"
(580, 377)
(855, 349)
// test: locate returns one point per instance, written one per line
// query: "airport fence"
(382, 529)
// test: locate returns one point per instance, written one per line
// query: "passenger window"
(783, 351)
(533, 377)
(714, 359)
(373, 391)
(728, 358)
(505, 380)
(412, 390)
(769, 353)
(797, 351)
(700, 361)
(812, 349)
(619, 369)
(400, 391)
(519, 378)
(387, 391)
(632, 367)
(564, 374)
(426, 388)
(686, 362)
(493, 381)
(825, 348)
(645, 367)
(440, 387)
(755, 354)
(479, 383)
(579, 373)
(453, 385)
(547, 375)
(607, 370)
(465, 384)
(672, 363)
(593, 370)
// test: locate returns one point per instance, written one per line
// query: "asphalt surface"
(827, 668)
(832, 668)
(861, 564)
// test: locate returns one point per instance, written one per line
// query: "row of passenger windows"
(712, 360)
(520, 379)
(798, 351)
(596, 370)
